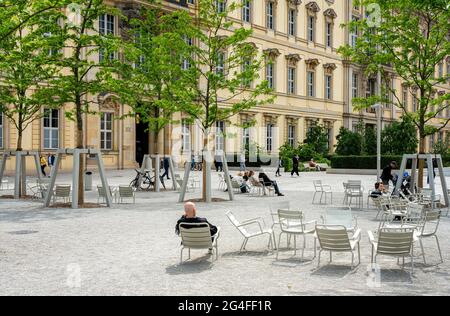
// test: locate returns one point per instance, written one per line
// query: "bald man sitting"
(190, 216)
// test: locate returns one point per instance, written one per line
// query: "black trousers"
(295, 170)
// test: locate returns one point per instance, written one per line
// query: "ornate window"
(271, 58)
(269, 136)
(329, 69)
(311, 76)
(292, 60)
(355, 85)
(312, 8)
(330, 16)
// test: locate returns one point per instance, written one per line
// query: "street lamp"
(378, 107)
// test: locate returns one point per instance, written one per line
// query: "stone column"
(301, 129)
(281, 131)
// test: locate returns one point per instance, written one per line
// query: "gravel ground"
(131, 249)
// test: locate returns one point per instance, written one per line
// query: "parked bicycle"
(147, 181)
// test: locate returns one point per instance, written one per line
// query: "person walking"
(387, 174)
(43, 165)
(295, 166)
(279, 165)
(166, 166)
(51, 162)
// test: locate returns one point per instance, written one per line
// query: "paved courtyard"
(131, 249)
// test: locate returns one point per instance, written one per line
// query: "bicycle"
(146, 181)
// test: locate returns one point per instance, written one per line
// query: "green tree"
(90, 64)
(442, 147)
(370, 141)
(221, 80)
(26, 57)
(159, 63)
(348, 143)
(16, 14)
(399, 137)
(317, 137)
(411, 37)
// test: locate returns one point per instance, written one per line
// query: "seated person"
(268, 182)
(313, 164)
(379, 190)
(190, 216)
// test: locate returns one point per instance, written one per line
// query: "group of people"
(245, 179)
(45, 162)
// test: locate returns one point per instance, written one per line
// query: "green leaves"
(412, 40)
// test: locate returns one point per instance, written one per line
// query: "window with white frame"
(220, 6)
(292, 22)
(311, 28)
(106, 131)
(270, 73)
(405, 97)
(441, 70)
(51, 129)
(220, 135)
(247, 11)
(291, 80)
(291, 135)
(270, 15)
(354, 33)
(185, 136)
(1, 130)
(269, 137)
(186, 63)
(328, 87)
(371, 87)
(106, 27)
(355, 85)
(311, 84)
(246, 66)
(220, 67)
(329, 34)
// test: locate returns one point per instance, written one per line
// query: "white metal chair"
(102, 194)
(62, 192)
(354, 190)
(323, 189)
(126, 192)
(292, 224)
(394, 242)
(274, 207)
(4, 185)
(340, 216)
(431, 220)
(198, 236)
(236, 186)
(269, 187)
(256, 187)
(222, 183)
(260, 225)
(191, 184)
(334, 238)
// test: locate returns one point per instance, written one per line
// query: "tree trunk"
(421, 161)
(80, 145)
(19, 140)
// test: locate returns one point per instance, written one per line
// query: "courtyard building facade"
(313, 85)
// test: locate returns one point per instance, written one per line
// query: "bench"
(307, 167)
